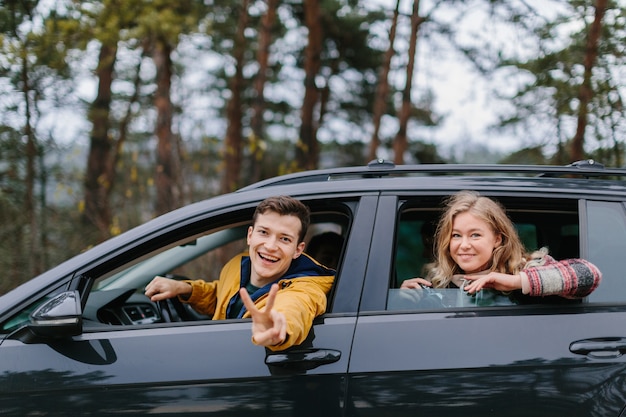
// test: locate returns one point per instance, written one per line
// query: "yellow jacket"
(301, 296)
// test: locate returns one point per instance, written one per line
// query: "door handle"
(303, 358)
(601, 347)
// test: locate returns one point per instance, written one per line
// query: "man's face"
(273, 244)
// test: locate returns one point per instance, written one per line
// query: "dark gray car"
(82, 339)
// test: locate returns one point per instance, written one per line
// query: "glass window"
(119, 299)
(528, 234)
(116, 295)
(606, 224)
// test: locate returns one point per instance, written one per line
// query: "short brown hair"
(286, 206)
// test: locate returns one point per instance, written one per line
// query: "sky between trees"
(130, 109)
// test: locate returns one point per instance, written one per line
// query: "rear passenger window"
(607, 247)
(539, 223)
(414, 246)
(528, 234)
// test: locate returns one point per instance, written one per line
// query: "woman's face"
(472, 243)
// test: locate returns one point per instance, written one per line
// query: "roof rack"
(379, 168)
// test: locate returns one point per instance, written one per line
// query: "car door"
(189, 368)
(540, 360)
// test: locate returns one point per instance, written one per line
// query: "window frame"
(531, 204)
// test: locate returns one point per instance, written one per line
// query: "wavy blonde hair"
(508, 258)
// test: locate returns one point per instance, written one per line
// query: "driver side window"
(119, 299)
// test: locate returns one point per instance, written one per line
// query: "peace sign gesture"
(269, 327)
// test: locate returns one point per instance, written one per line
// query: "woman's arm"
(570, 278)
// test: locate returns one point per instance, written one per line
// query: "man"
(275, 284)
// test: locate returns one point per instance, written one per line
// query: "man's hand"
(269, 327)
(161, 288)
(495, 280)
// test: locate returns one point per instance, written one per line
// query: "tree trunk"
(307, 149)
(324, 98)
(257, 147)
(585, 93)
(167, 161)
(30, 209)
(100, 170)
(128, 116)
(400, 143)
(233, 142)
(382, 90)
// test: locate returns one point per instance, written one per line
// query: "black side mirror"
(59, 317)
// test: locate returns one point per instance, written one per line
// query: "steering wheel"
(172, 309)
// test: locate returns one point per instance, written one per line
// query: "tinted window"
(606, 248)
(414, 245)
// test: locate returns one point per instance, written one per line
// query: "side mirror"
(59, 317)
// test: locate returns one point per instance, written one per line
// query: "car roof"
(585, 177)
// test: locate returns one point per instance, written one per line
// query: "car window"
(201, 257)
(119, 299)
(606, 247)
(551, 224)
(414, 243)
(115, 292)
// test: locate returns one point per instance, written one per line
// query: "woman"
(477, 247)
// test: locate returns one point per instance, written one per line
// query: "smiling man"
(275, 283)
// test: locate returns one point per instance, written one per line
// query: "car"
(83, 339)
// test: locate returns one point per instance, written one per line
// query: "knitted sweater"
(570, 278)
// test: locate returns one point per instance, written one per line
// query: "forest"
(114, 112)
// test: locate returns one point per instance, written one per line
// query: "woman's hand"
(495, 280)
(415, 283)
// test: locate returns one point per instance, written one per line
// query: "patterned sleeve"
(570, 278)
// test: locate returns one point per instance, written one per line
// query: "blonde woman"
(477, 247)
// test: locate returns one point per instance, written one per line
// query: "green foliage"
(166, 21)
(14, 12)
(427, 153)
(555, 75)
(532, 156)
(11, 174)
(48, 54)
